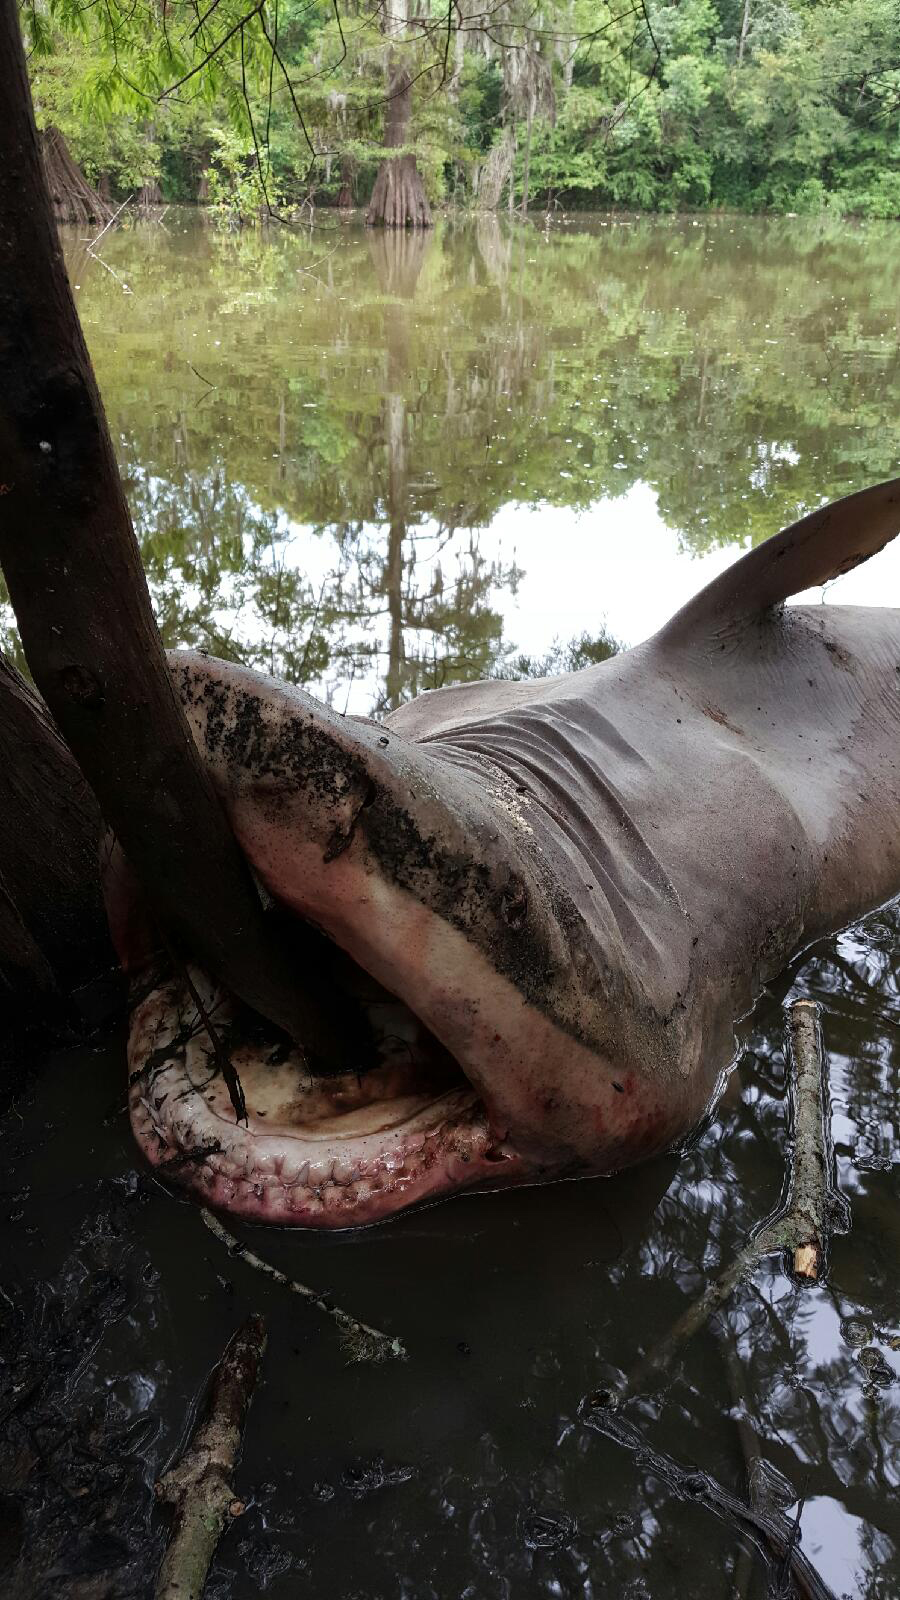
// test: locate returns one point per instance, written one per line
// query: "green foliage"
(585, 651)
(788, 105)
(238, 191)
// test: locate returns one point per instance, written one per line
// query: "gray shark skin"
(554, 898)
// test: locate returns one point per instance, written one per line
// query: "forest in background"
(275, 105)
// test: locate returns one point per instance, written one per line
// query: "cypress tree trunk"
(76, 582)
(53, 933)
(345, 193)
(398, 198)
(149, 195)
(71, 196)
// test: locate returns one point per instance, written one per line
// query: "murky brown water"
(385, 437)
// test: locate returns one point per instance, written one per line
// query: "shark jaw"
(496, 1055)
(466, 1085)
(317, 1152)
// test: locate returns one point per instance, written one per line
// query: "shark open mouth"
(402, 1127)
(421, 885)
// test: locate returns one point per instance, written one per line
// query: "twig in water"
(814, 1207)
(92, 242)
(360, 1341)
(199, 1487)
(769, 1492)
(201, 377)
(769, 1531)
(107, 268)
(783, 1581)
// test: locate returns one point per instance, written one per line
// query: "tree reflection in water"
(316, 431)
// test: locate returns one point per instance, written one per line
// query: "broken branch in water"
(770, 1530)
(360, 1340)
(814, 1207)
(199, 1487)
(92, 243)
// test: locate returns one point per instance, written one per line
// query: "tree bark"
(398, 198)
(345, 193)
(71, 196)
(53, 932)
(76, 582)
(200, 1487)
(745, 28)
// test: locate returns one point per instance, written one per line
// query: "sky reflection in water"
(377, 463)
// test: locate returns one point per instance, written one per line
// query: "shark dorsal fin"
(821, 546)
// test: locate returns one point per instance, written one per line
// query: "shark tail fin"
(823, 545)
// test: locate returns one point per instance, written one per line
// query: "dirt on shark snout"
(445, 929)
(544, 900)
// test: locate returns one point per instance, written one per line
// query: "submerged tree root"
(71, 195)
(359, 1341)
(199, 1487)
(814, 1207)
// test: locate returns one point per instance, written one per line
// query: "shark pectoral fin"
(821, 546)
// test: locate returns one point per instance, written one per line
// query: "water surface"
(376, 465)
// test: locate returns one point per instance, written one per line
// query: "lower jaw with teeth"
(336, 1152)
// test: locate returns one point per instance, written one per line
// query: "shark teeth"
(184, 1122)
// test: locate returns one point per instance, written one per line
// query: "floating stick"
(770, 1530)
(199, 1487)
(360, 1341)
(814, 1207)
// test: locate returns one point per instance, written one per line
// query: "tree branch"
(814, 1207)
(199, 1487)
